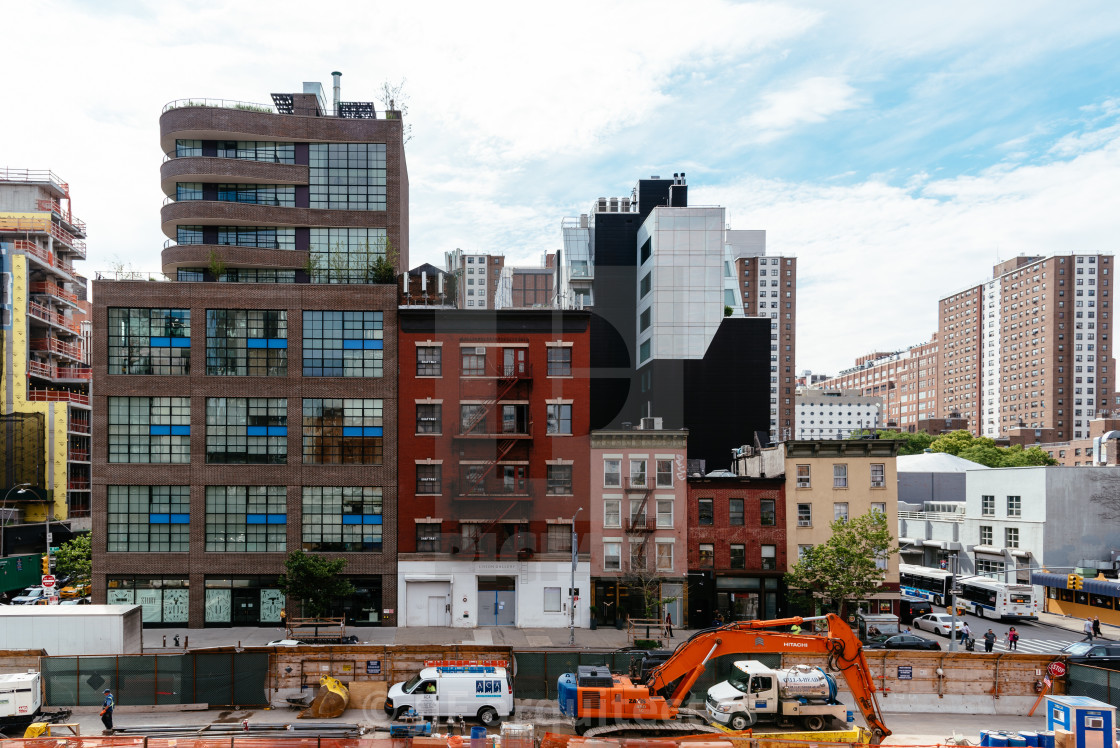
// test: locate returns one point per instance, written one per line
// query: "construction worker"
(107, 710)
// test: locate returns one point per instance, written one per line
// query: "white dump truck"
(800, 694)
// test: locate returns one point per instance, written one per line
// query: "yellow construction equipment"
(330, 702)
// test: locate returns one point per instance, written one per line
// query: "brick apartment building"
(736, 548)
(493, 465)
(249, 404)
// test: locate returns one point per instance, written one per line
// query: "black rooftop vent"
(283, 102)
(356, 110)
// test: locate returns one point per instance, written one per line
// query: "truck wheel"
(399, 712)
(488, 716)
(814, 722)
(740, 721)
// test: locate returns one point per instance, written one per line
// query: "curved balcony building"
(260, 382)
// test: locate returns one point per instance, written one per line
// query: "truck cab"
(875, 629)
(756, 692)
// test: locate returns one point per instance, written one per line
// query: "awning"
(907, 541)
(989, 549)
(1102, 587)
(1049, 579)
(934, 544)
(1017, 553)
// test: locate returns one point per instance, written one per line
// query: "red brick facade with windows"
(754, 589)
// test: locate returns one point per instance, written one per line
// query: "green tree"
(846, 567)
(986, 452)
(316, 580)
(75, 557)
(956, 441)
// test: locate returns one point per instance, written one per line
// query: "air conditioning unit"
(803, 483)
(480, 350)
(650, 424)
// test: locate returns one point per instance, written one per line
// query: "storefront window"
(162, 601)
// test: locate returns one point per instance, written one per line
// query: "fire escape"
(639, 525)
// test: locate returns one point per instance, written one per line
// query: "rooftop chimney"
(337, 90)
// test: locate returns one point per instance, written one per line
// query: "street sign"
(50, 537)
(48, 581)
(1057, 669)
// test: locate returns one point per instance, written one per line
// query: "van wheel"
(740, 721)
(400, 711)
(488, 716)
(814, 722)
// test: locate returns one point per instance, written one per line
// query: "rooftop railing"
(33, 175)
(246, 106)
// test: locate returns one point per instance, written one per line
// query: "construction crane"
(603, 703)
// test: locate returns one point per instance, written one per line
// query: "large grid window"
(247, 342)
(188, 234)
(257, 194)
(257, 150)
(264, 237)
(429, 418)
(247, 430)
(343, 344)
(559, 361)
(150, 429)
(705, 512)
(252, 519)
(429, 361)
(347, 176)
(184, 148)
(474, 364)
(429, 479)
(559, 419)
(342, 431)
(559, 479)
(735, 512)
(188, 191)
(428, 537)
(346, 255)
(342, 518)
(767, 512)
(148, 519)
(149, 341)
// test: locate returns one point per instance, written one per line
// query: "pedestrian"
(107, 710)
(1012, 640)
(669, 624)
(1097, 627)
(966, 633)
(989, 640)
(1088, 629)
(283, 619)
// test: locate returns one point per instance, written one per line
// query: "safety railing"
(33, 175)
(40, 369)
(78, 455)
(245, 106)
(56, 346)
(79, 427)
(78, 484)
(42, 254)
(55, 206)
(53, 289)
(59, 320)
(57, 396)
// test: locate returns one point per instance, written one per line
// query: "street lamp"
(18, 488)
(572, 589)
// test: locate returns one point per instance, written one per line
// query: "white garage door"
(427, 604)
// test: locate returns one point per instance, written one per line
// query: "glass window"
(255, 275)
(612, 513)
(767, 512)
(559, 539)
(559, 480)
(247, 342)
(612, 473)
(257, 194)
(342, 518)
(247, 430)
(149, 341)
(612, 556)
(664, 473)
(769, 557)
(428, 537)
(644, 350)
(472, 419)
(879, 507)
(987, 506)
(638, 473)
(551, 599)
(803, 476)
(429, 418)
(473, 363)
(706, 516)
(637, 557)
(150, 429)
(664, 556)
(707, 555)
(839, 476)
(347, 176)
(190, 275)
(638, 513)
(429, 361)
(559, 361)
(738, 556)
(1011, 537)
(342, 431)
(257, 150)
(343, 344)
(347, 255)
(429, 479)
(184, 148)
(263, 237)
(559, 419)
(188, 234)
(804, 515)
(840, 510)
(1014, 506)
(644, 320)
(148, 519)
(246, 519)
(188, 191)
(878, 475)
(803, 551)
(645, 285)
(986, 568)
(664, 512)
(735, 512)
(986, 535)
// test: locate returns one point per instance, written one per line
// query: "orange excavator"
(603, 703)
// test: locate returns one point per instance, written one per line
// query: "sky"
(899, 150)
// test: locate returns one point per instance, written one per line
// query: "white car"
(937, 623)
(285, 643)
(31, 596)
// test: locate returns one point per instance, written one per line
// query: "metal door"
(506, 608)
(497, 601)
(437, 611)
(246, 607)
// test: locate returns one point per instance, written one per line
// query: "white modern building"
(476, 274)
(835, 414)
(931, 509)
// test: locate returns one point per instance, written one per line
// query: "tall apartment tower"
(1031, 346)
(45, 375)
(261, 381)
(476, 277)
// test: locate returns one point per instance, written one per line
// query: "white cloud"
(810, 101)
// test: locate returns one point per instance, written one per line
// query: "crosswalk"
(1032, 646)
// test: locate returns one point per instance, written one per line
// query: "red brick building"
(736, 548)
(494, 453)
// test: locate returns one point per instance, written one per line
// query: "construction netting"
(1095, 682)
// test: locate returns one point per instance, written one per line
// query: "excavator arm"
(839, 645)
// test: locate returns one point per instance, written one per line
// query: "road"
(1034, 638)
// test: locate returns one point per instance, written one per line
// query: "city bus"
(991, 598)
(924, 582)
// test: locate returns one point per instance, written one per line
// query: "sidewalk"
(1077, 625)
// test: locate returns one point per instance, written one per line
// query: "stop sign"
(48, 581)
(1056, 669)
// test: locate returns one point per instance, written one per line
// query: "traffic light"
(1074, 581)
(46, 564)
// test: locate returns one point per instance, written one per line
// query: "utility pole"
(572, 589)
(953, 602)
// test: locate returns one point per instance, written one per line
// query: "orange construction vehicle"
(604, 703)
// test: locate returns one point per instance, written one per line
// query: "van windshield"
(411, 683)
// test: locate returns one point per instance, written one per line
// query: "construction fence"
(1095, 682)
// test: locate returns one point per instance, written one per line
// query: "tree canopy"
(979, 449)
(75, 557)
(316, 580)
(846, 567)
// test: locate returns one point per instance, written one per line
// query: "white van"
(482, 691)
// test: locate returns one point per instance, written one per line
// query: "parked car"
(904, 641)
(912, 607)
(76, 601)
(937, 623)
(77, 589)
(30, 596)
(1105, 655)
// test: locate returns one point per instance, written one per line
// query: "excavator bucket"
(330, 702)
